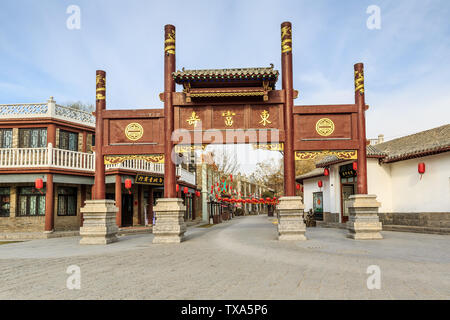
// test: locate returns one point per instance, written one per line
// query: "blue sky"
(407, 60)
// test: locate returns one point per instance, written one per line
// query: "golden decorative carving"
(99, 79)
(193, 119)
(269, 146)
(169, 43)
(154, 158)
(188, 148)
(340, 154)
(228, 118)
(134, 131)
(286, 39)
(100, 90)
(359, 82)
(265, 118)
(325, 127)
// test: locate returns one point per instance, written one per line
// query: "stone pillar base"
(169, 226)
(99, 226)
(291, 226)
(363, 223)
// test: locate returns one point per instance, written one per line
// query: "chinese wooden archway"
(215, 101)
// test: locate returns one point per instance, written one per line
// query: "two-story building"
(55, 144)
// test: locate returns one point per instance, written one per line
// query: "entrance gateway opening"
(232, 106)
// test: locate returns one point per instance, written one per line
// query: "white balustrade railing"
(138, 165)
(23, 157)
(149, 167)
(187, 176)
(46, 157)
(46, 110)
(74, 160)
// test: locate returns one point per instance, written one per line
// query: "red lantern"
(355, 166)
(298, 187)
(177, 188)
(421, 168)
(38, 184)
(185, 190)
(231, 177)
(320, 183)
(326, 172)
(267, 199)
(128, 184)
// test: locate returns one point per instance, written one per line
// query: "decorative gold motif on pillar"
(169, 42)
(193, 119)
(340, 154)
(325, 127)
(100, 86)
(228, 118)
(286, 39)
(359, 81)
(134, 131)
(265, 118)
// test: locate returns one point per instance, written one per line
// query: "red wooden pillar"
(150, 206)
(140, 208)
(361, 105)
(83, 199)
(51, 134)
(287, 86)
(49, 204)
(118, 197)
(100, 105)
(84, 147)
(169, 87)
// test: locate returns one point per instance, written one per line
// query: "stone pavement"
(238, 259)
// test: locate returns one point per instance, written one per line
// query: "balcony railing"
(73, 160)
(46, 110)
(46, 157)
(186, 176)
(138, 165)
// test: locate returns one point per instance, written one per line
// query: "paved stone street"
(239, 259)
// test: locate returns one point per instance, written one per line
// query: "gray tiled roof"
(421, 143)
(313, 173)
(429, 141)
(237, 73)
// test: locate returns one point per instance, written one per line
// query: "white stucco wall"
(397, 186)
(429, 194)
(309, 187)
(379, 183)
(334, 197)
